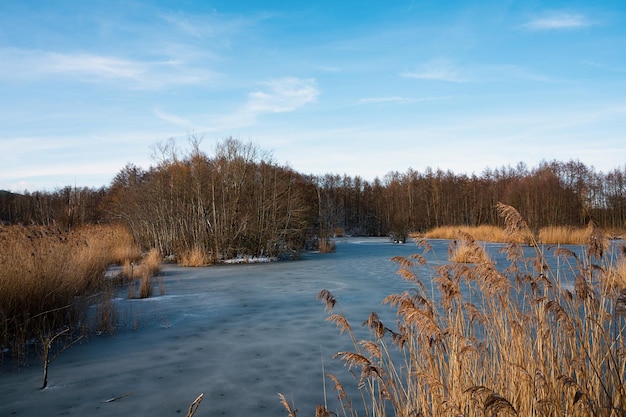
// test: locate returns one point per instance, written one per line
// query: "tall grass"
(489, 341)
(48, 278)
(194, 257)
(464, 249)
(565, 235)
(140, 275)
(327, 245)
(483, 233)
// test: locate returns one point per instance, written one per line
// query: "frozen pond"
(240, 334)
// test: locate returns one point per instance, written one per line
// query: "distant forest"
(239, 201)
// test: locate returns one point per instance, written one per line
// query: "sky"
(344, 87)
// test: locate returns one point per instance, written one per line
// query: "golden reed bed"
(492, 341)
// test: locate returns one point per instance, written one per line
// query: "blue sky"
(361, 88)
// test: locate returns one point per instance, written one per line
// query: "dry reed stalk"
(194, 257)
(326, 245)
(45, 268)
(141, 275)
(564, 235)
(485, 233)
(145, 286)
(193, 407)
(615, 277)
(465, 249)
(291, 411)
(497, 342)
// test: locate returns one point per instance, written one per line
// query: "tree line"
(239, 201)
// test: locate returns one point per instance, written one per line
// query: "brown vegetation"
(238, 202)
(564, 235)
(485, 233)
(140, 274)
(327, 245)
(49, 277)
(465, 249)
(551, 194)
(193, 206)
(194, 257)
(492, 341)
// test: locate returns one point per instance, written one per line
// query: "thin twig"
(110, 400)
(194, 405)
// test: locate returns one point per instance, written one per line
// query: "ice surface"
(240, 334)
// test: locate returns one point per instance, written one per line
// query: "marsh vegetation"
(529, 337)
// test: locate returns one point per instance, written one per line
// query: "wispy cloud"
(171, 118)
(384, 100)
(557, 21)
(101, 66)
(508, 72)
(282, 95)
(221, 28)
(276, 96)
(396, 100)
(187, 26)
(147, 74)
(604, 66)
(438, 70)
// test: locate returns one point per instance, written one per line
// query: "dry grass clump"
(464, 249)
(327, 245)
(615, 232)
(140, 275)
(615, 276)
(494, 342)
(484, 233)
(194, 257)
(565, 235)
(48, 278)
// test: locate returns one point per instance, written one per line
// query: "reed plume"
(524, 339)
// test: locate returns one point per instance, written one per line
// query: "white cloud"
(184, 24)
(397, 100)
(103, 66)
(438, 70)
(556, 21)
(282, 95)
(382, 100)
(604, 66)
(36, 64)
(171, 118)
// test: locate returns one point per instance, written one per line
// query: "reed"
(565, 235)
(140, 275)
(327, 245)
(48, 278)
(491, 341)
(194, 257)
(464, 249)
(485, 232)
